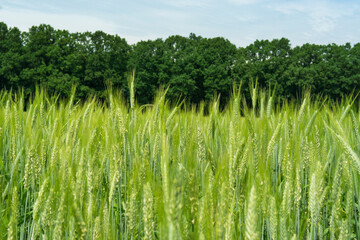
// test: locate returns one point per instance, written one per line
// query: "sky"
(240, 21)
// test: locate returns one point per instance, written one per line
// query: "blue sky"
(240, 21)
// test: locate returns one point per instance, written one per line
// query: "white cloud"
(187, 3)
(243, 2)
(170, 16)
(24, 19)
(241, 21)
(323, 15)
(246, 18)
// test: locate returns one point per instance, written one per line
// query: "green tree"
(180, 59)
(11, 59)
(266, 61)
(106, 61)
(37, 67)
(147, 59)
(219, 55)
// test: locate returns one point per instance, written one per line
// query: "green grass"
(94, 171)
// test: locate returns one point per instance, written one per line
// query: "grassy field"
(94, 171)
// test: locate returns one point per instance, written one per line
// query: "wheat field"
(90, 170)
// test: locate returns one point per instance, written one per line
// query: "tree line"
(194, 68)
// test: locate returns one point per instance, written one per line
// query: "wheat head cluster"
(113, 170)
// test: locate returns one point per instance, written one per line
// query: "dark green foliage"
(267, 61)
(193, 68)
(330, 70)
(11, 56)
(58, 60)
(147, 57)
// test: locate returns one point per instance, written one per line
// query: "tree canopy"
(194, 68)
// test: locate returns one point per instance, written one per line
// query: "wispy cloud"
(243, 2)
(168, 15)
(323, 15)
(246, 18)
(24, 19)
(241, 21)
(187, 3)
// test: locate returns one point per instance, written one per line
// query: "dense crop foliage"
(89, 171)
(193, 67)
